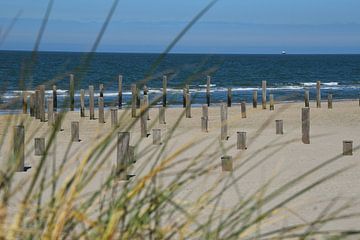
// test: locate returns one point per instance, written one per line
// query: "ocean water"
(287, 75)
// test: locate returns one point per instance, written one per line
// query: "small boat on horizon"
(283, 52)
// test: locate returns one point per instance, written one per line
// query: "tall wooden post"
(82, 103)
(146, 103)
(157, 136)
(37, 103)
(229, 97)
(255, 97)
(19, 148)
(39, 146)
(133, 100)
(75, 132)
(224, 123)
(306, 98)
(279, 127)
(188, 105)
(162, 115)
(50, 108)
(114, 117)
(241, 140)
(305, 117)
(143, 119)
(208, 82)
(227, 164)
(330, 100)
(264, 94)
(91, 102)
(272, 107)
(42, 103)
(72, 92)
(54, 97)
(32, 105)
(101, 90)
(243, 109)
(347, 148)
(24, 102)
(318, 94)
(122, 156)
(120, 83)
(164, 90)
(101, 110)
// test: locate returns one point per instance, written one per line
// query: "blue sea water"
(287, 75)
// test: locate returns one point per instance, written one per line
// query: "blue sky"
(231, 26)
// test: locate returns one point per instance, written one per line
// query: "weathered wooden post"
(204, 124)
(146, 103)
(188, 105)
(330, 100)
(264, 94)
(138, 103)
(208, 82)
(318, 94)
(157, 136)
(229, 97)
(24, 102)
(255, 97)
(164, 90)
(227, 164)
(279, 127)
(143, 119)
(54, 97)
(91, 102)
(114, 117)
(101, 110)
(122, 156)
(32, 105)
(306, 98)
(42, 103)
(82, 103)
(241, 140)
(101, 90)
(120, 83)
(305, 118)
(19, 148)
(72, 92)
(39, 146)
(243, 109)
(75, 132)
(57, 120)
(205, 110)
(133, 100)
(131, 155)
(162, 115)
(272, 107)
(347, 148)
(50, 112)
(224, 124)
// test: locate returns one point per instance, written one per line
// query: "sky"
(230, 26)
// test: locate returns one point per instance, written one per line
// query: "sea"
(287, 75)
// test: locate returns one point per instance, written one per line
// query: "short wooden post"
(164, 90)
(347, 148)
(42, 103)
(122, 156)
(255, 97)
(72, 92)
(54, 97)
(241, 140)
(91, 102)
(39, 146)
(205, 110)
(227, 164)
(272, 107)
(305, 117)
(224, 124)
(157, 136)
(101, 110)
(188, 105)
(208, 82)
(82, 103)
(50, 112)
(114, 117)
(101, 90)
(229, 97)
(57, 120)
(143, 120)
(306, 98)
(24, 102)
(330, 101)
(318, 94)
(75, 132)
(264, 94)
(279, 127)
(243, 109)
(32, 105)
(19, 148)
(184, 98)
(120, 83)
(162, 115)
(204, 124)
(37, 103)
(133, 100)
(146, 104)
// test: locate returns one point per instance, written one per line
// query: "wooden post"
(279, 127)
(255, 97)
(54, 98)
(131, 155)
(91, 102)
(272, 107)
(114, 117)
(164, 90)
(32, 105)
(229, 97)
(185, 91)
(188, 105)
(330, 100)
(57, 120)
(75, 132)
(224, 124)
(37, 106)
(162, 115)
(264, 94)
(204, 124)
(42, 103)
(146, 103)
(205, 110)
(50, 112)
(82, 103)
(72, 92)
(208, 90)
(146, 90)
(143, 120)
(101, 110)
(122, 156)
(306, 98)
(157, 136)
(227, 164)
(347, 148)
(120, 83)
(133, 100)
(24, 102)
(305, 117)
(19, 148)
(243, 109)
(101, 90)
(39, 146)
(138, 103)
(241, 140)
(318, 94)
